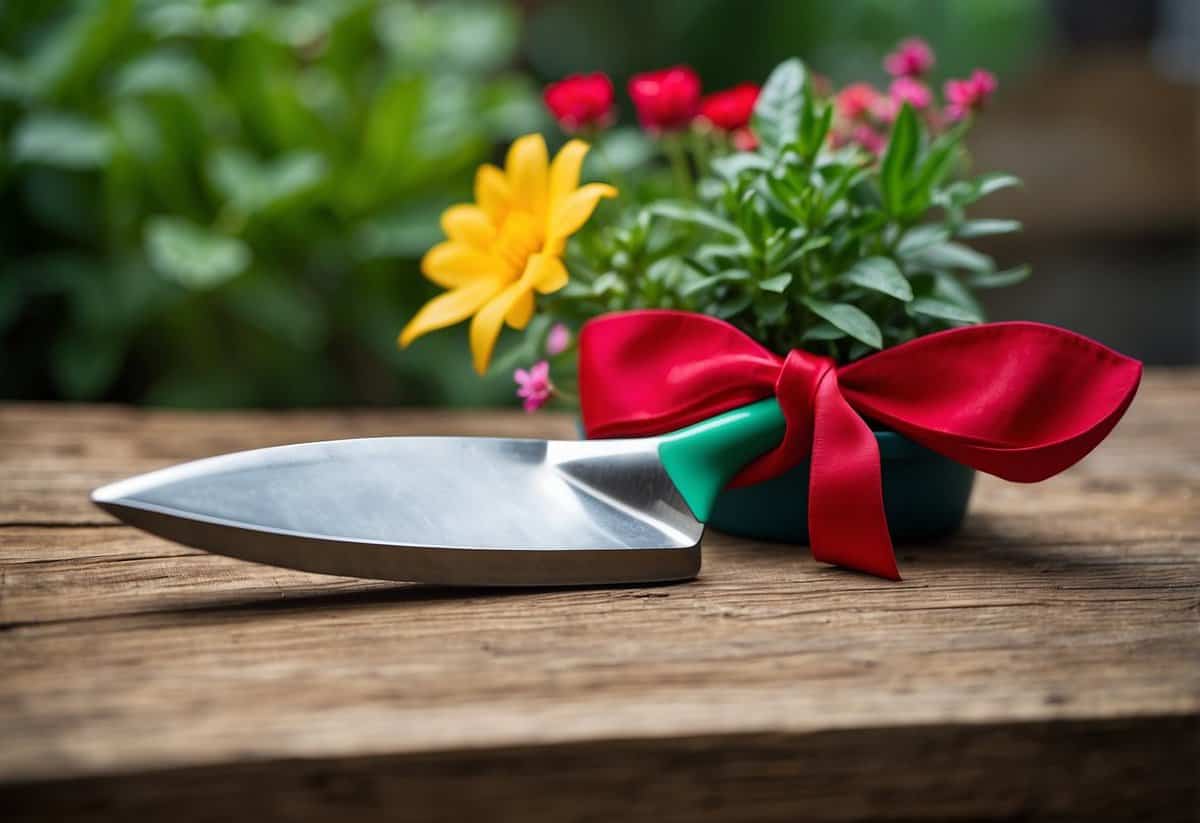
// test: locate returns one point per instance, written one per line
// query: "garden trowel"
(458, 510)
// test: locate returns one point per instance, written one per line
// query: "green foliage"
(222, 202)
(801, 244)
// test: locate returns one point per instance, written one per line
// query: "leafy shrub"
(220, 203)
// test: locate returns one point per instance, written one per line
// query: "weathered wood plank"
(1044, 662)
(1062, 771)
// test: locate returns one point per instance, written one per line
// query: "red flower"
(912, 58)
(581, 101)
(730, 110)
(856, 100)
(666, 100)
(966, 96)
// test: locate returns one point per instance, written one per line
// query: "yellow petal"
(546, 273)
(470, 225)
(450, 308)
(575, 209)
(492, 192)
(519, 315)
(453, 264)
(485, 326)
(564, 171)
(527, 165)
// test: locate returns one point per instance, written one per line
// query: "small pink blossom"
(885, 109)
(534, 386)
(745, 140)
(855, 101)
(912, 58)
(869, 139)
(558, 339)
(911, 91)
(969, 95)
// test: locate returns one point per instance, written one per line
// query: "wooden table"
(1045, 663)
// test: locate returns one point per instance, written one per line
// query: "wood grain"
(1042, 664)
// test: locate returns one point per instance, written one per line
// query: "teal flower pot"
(925, 495)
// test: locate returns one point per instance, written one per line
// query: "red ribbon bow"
(1022, 401)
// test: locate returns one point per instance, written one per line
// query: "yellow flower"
(508, 244)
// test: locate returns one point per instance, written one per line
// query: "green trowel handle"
(705, 456)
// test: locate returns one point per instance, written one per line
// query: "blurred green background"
(214, 204)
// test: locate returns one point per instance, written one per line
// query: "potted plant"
(805, 229)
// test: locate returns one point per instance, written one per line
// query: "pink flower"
(912, 58)
(534, 386)
(855, 101)
(745, 140)
(966, 96)
(885, 108)
(558, 339)
(869, 139)
(911, 91)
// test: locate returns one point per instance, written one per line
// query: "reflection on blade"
(448, 510)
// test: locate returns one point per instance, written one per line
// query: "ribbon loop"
(795, 389)
(1023, 401)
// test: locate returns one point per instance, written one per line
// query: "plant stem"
(700, 149)
(677, 154)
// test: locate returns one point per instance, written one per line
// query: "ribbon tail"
(846, 521)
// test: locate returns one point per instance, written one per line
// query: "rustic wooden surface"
(1045, 663)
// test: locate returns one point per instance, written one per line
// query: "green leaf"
(609, 283)
(722, 251)
(78, 48)
(730, 306)
(966, 192)
(192, 255)
(703, 283)
(931, 171)
(920, 237)
(995, 181)
(694, 215)
(953, 256)
(853, 321)
(999, 279)
(252, 186)
(732, 165)
(986, 228)
(898, 160)
(949, 288)
(880, 274)
(823, 332)
(620, 150)
(162, 72)
(62, 140)
(777, 283)
(809, 245)
(942, 310)
(475, 37)
(818, 117)
(776, 119)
